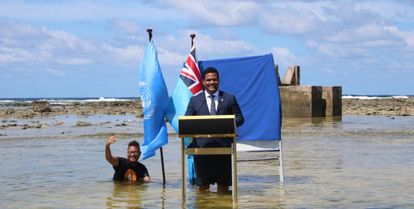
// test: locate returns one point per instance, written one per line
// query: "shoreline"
(388, 106)
(350, 106)
(104, 118)
(46, 109)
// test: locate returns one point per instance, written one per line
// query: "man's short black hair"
(210, 70)
(133, 143)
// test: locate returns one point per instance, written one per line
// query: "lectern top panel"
(206, 117)
(206, 125)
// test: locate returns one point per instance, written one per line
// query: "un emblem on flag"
(146, 100)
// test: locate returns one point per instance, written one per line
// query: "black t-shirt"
(127, 171)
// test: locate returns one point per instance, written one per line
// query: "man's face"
(133, 153)
(211, 83)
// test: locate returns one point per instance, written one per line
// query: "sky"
(85, 48)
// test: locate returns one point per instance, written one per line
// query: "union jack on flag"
(190, 74)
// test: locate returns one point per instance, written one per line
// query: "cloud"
(344, 37)
(83, 38)
(218, 13)
(27, 44)
(118, 54)
(288, 20)
(79, 10)
(13, 54)
(74, 61)
(364, 34)
(284, 56)
(213, 47)
(124, 26)
(170, 57)
(24, 43)
(173, 49)
(407, 36)
(57, 73)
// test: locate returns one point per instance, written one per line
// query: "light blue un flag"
(154, 98)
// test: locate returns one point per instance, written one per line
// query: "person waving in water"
(127, 169)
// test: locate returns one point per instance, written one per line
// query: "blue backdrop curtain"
(253, 81)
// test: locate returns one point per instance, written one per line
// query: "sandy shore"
(390, 107)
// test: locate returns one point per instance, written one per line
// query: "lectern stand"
(209, 126)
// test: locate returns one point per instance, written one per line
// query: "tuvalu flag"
(188, 84)
(154, 98)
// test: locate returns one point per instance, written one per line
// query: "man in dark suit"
(211, 169)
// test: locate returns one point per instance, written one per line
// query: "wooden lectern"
(208, 126)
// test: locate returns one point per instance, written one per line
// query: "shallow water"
(356, 162)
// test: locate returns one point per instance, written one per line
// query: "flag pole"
(149, 31)
(192, 39)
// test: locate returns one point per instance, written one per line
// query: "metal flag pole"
(149, 30)
(192, 39)
(281, 174)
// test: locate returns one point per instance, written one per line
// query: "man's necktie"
(212, 106)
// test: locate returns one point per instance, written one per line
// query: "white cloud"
(34, 46)
(57, 73)
(324, 36)
(13, 54)
(79, 10)
(284, 56)
(288, 20)
(219, 13)
(170, 57)
(127, 53)
(365, 33)
(24, 36)
(213, 47)
(128, 27)
(25, 43)
(173, 50)
(407, 36)
(73, 61)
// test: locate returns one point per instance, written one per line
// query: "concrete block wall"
(301, 101)
(307, 101)
(311, 101)
(332, 100)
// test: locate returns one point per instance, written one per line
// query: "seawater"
(351, 162)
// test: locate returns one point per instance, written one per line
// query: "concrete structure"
(332, 100)
(292, 76)
(307, 101)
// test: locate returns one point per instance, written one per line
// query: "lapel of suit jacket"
(204, 103)
(220, 102)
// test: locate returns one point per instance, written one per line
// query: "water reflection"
(207, 199)
(311, 121)
(126, 195)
